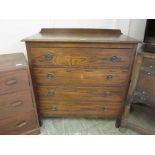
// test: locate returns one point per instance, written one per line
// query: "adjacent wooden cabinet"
(142, 89)
(80, 72)
(18, 113)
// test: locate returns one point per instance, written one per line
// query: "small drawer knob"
(50, 92)
(48, 56)
(115, 58)
(50, 75)
(109, 77)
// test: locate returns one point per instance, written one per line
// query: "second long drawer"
(81, 76)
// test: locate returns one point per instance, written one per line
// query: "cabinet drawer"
(145, 88)
(76, 57)
(13, 81)
(12, 104)
(109, 94)
(20, 124)
(92, 109)
(83, 77)
(146, 80)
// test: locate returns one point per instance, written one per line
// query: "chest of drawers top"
(80, 35)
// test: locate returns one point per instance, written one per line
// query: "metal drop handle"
(17, 103)
(11, 82)
(50, 93)
(21, 124)
(109, 77)
(50, 75)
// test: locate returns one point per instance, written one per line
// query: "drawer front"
(11, 104)
(147, 75)
(76, 57)
(145, 88)
(148, 62)
(109, 94)
(18, 124)
(91, 109)
(13, 81)
(84, 77)
(145, 96)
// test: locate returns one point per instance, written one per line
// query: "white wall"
(12, 31)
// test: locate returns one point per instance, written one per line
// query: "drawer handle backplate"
(50, 75)
(48, 56)
(109, 77)
(115, 59)
(50, 93)
(11, 82)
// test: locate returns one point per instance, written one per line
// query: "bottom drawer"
(19, 124)
(51, 109)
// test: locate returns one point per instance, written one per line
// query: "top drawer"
(13, 81)
(76, 57)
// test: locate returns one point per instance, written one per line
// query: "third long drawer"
(86, 94)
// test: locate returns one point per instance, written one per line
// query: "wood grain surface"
(80, 57)
(60, 93)
(76, 108)
(18, 124)
(18, 114)
(83, 77)
(11, 104)
(13, 81)
(80, 35)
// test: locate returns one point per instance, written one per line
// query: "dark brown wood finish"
(18, 113)
(80, 72)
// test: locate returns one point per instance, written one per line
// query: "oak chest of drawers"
(18, 113)
(80, 72)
